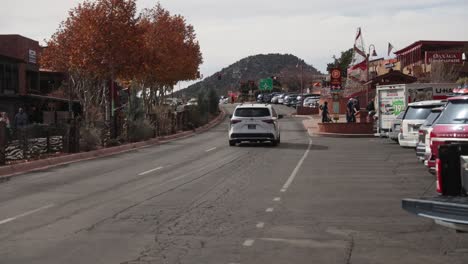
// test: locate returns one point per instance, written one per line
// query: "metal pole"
(69, 97)
(367, 79)
(302, 82)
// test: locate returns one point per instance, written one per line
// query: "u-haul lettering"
(443, 91)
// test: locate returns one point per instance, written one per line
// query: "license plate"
(251, 126)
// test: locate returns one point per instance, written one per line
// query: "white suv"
(415, 115)
(254, 123)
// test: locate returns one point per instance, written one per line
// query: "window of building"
(8, 78)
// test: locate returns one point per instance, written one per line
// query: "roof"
(430, 42)
(392, 77)
(247, 105)
(456, 98)
(429, 102)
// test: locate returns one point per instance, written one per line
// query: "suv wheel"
(232, 143)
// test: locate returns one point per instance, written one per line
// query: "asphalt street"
(197, 200)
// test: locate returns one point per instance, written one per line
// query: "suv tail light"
(235, 121)
(439, 175)
(269, 121)
(431, 136)
(421, 134)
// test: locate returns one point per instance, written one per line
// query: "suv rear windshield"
(455, 113)
(415, 113)
(252, 112)
(431, 119)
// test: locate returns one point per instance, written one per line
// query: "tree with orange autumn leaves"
(105, 40)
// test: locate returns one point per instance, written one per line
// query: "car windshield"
(252, 112)
(456, 112)
(400, 116)
(431, 119)
(418, 112)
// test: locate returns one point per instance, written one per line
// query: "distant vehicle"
(423, 150)
(391, 100)
(396, 127)
(276, 97)
(281, 98)
(223, 100)
(415, 115)
(192, 101)
(264, 98)
(290, 99)
(311, 102)
(254, 123)
(451, 127)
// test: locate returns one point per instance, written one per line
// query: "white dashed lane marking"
(211, 149)
(296, 169)
(150, 171)
(25, 214)
(260, 225)
(248, 243)
(269, 210)
(277, 199)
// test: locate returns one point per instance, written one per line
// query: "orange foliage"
(171, 52)
(105, 39)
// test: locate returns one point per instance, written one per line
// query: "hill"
(283, 66)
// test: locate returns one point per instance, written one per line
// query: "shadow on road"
(285, 145)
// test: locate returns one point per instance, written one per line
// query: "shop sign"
(445, 57)
(335, 78)
(32, 56)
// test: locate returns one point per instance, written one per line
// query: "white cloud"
(311, 29)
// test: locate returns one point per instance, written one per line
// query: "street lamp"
(374, 54)
(299, 64)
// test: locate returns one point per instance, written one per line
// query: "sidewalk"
(9, 171)
(311, 125)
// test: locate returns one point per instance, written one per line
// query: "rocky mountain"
(286, 68)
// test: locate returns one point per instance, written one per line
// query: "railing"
(35, 141)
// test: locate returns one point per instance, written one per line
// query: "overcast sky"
(313, 30)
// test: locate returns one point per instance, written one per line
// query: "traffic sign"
(266, 84)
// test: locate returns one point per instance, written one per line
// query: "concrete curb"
(9, 171)
(336, 135)
(333, 135)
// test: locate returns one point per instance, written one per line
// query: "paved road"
(197, 200)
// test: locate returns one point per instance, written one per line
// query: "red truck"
(450, 207)
(451, 127)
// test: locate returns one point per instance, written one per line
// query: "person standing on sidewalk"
(21, 119)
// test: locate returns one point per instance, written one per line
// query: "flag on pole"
(357, 70)
(390, 47)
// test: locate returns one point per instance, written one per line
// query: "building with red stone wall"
(22, 82)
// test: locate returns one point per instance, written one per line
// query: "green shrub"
(89, 139)
(140, 130)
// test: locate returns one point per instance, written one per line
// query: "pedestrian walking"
(371, 110)
(325, 113)
(21, 119)
(351, 111)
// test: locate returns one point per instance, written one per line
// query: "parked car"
(395, 127)
(451, 127)
(415, 115)
(281, 98)
(311, 102)
(254, 123)
(423, 150)
(290, 99)
(276, 97)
